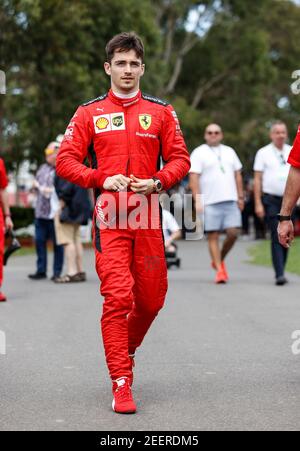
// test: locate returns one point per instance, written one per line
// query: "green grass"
(24, 251)
(260, 254)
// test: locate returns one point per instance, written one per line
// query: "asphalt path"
(217, 357)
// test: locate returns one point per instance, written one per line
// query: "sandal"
(68, 279)
(82, 276)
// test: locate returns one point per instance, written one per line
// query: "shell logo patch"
(145, 121)
(109, 122)
(102, 123)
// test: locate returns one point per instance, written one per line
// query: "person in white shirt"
(216, 174)
(270, 176)
(171, 230)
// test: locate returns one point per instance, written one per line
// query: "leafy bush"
(22, 217)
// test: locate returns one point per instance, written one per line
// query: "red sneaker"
(123, 401)
(2, 297)
(220, 277)
(223, 267)
(225, 271)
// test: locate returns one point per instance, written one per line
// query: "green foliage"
(191, 121)
(233, 66)
(260, 254)
(60, 65)
(22, 217)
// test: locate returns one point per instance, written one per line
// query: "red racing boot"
(123, 401)
(2, 297)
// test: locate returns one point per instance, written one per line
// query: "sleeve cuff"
(159, 175)
(99, 178)
(294, 163)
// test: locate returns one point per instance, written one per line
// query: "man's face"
(51, 159)
(125, 71)
(213, 135)
(279, 135)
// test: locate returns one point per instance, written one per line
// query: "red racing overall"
(294, 158)
(126, 136)
(3, 185)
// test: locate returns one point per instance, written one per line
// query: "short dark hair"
(124, 42)
(278, 122)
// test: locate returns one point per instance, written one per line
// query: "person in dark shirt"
(74, 211)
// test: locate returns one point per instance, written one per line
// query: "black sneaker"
(37, 276)
(281, 281)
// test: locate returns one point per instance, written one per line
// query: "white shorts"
(222, 216)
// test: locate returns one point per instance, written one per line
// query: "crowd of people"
(123, 133)
(61, 208)
(216, 175)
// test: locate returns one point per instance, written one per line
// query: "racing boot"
(123, 401)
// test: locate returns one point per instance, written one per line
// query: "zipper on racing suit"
(128, 146)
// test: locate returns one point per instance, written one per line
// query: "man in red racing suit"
(126, 134)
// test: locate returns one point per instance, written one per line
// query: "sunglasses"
(213, 133)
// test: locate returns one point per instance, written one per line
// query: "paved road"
(218, 357)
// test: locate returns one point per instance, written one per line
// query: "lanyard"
(219, 157)
(280, 156)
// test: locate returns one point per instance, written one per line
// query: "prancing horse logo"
(145, 121)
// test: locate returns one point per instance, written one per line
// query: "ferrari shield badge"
(145, 121)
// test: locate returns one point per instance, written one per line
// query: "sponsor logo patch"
(117, 121)
(102, 123)
(109, 122)
(145, 121)
(146, 135)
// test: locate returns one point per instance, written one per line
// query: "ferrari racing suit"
(125, 136)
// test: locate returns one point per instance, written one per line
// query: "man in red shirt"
(5, 220)
(124, 133)
(291, 196)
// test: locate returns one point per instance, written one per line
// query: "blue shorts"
(222, 216)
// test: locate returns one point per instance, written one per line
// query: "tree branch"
(208, 85)
(190, 40)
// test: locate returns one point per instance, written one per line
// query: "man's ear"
(143, 69)
(107, 68)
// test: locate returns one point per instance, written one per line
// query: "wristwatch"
(284, 218)
(157, 184)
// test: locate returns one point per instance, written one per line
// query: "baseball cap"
(51, 148)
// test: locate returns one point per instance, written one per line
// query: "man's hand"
(241, 204)
(260, 211)
(9, 225)
(199, 204)
(116, 183)
(168, 243)
(286, 233)
(141, 186)
(35, 185)
(199, 207)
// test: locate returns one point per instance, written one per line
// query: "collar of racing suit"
(124, 102)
